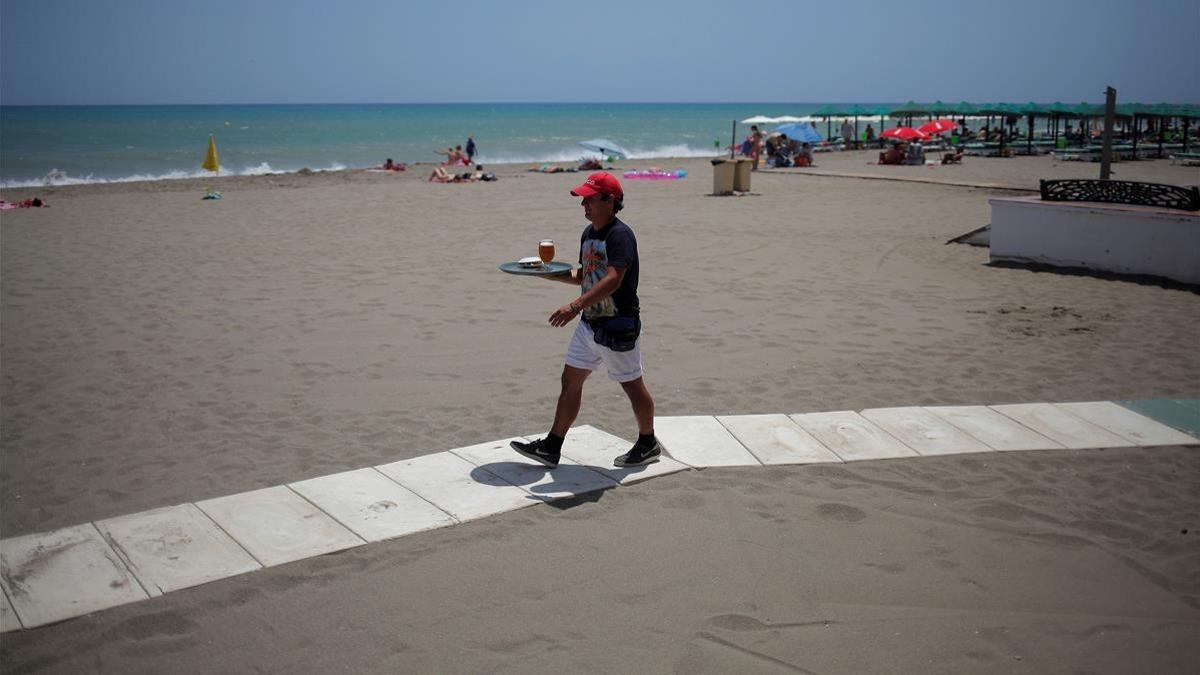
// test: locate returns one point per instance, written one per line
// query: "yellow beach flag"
(210, 159)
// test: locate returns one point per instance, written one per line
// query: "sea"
(65, 145)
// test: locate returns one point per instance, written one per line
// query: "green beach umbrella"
(827, 111)
(858, 111)
(909, 110)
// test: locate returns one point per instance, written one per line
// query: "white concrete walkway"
(52, 576)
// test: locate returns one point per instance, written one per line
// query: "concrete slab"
(277, 526)
(1139, 429)
(998, 431)
(8, 618)
(597, 449)
(175, 547)
(372, 505)
(457, 486)
(1061, 426)
(925, 432)
(852, 436)
(567, 480)
(701, 441)
(776, 439)
(62, 574)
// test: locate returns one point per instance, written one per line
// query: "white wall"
(1114, 238)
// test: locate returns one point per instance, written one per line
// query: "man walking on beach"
(609, 333)
(470, 149)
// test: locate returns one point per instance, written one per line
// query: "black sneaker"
(640, 454)
(537, 451)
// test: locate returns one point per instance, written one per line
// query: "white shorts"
(583, 352)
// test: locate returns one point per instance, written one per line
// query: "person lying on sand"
(389, 165)
(440, 175)
(953, 157)
(34, 203)
(546, 168)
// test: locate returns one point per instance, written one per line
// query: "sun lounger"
(1186, 158)
(982, 149)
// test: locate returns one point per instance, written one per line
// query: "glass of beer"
(546, 251)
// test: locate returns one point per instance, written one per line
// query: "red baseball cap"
(600, 182)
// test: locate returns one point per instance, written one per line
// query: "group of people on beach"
(459, 156)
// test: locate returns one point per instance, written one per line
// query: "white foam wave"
(575, 154)
(56, 177)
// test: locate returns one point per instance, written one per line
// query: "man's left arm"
(603, 288)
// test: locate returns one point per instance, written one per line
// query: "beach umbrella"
(604, 147)
(827, 111)
(210, 158)
(759, 119)
(937, 127)
(909, 110)
(858, 111)
(905, 134)
(803, 132)
(881, 111)
(788, 119)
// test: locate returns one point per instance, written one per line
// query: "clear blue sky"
(301, 51)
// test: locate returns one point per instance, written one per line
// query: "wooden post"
(1110, 111)
(733, 140)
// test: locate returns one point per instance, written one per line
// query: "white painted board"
(701, 441)
(597, 449)
(1061, 426)
(852, 436)
(1133, 426)
(998, 431)
(925, 432)
(175, 547)
(568, 479)
(63, 574)
(372, 505)
(776, 439)
(457, 486)
(277, 526)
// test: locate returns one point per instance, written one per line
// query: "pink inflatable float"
(655, 174)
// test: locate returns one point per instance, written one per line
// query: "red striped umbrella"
(905, 134)
(937, 127)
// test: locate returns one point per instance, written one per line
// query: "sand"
(157, 349)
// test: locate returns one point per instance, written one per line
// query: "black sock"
(646, 440)
(553, 443)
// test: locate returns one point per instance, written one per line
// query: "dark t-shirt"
(614, 245)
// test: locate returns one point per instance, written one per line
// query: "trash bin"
(723, 170)
(741, 176)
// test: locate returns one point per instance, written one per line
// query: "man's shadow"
(576, 479)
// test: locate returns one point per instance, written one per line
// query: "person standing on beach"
(608, 335)
(848, 134)
(755, 145)
(470, 149)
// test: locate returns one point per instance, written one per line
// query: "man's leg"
(643, 405)
(569, 399)
(647, 449)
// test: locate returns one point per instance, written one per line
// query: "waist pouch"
(618, 333)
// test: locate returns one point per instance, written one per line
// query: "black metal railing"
(1122, 192)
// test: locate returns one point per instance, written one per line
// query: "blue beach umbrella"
(800, 131)
(604, 147)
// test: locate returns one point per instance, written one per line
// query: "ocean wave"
(576, 154)
(57, 178)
